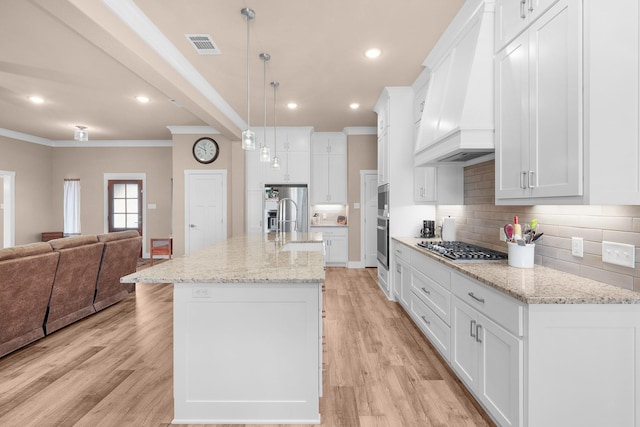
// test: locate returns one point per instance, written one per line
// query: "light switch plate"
(619, 254)
(577, 246)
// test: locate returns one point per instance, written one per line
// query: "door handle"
(481, 300)
(478, 329)
(522, 8)
(530, 180)
(473, 329)
(530, 5)
(192, 225)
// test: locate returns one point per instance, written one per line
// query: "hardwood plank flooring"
(115, 367)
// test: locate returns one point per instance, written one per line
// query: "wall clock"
(206, 150)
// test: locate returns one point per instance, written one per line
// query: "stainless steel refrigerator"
(292, 205)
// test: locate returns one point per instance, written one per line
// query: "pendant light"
(265, 152)
(248, 136)
(276, 161)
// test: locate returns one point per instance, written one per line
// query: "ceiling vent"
(203, 44)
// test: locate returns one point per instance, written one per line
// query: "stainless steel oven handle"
(381, 227)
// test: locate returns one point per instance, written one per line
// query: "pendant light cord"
(275, 140)
(248, 86)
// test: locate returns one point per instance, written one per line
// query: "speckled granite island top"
(252, 258)
(537, 285)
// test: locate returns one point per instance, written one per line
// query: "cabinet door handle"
(530, 5)
(424, 319)
(522, 8)
(530, 179)
(426, 291)
(473, 329)
(481, 300)
(478, 329)
(523, 174)
(398, 268)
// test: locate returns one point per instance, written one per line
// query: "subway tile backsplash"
(479, 221)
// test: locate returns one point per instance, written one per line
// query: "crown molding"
(126, 143)
(192, 130)
(25, 137)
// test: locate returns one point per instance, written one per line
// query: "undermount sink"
(303, 246)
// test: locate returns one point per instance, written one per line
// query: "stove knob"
(443, 251)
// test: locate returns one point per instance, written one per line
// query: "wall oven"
(383, 241)
(383, 200)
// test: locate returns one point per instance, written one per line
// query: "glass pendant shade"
(276, 163)
(265, 154)
(248, 140)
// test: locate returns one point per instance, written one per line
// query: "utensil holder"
(521, 256)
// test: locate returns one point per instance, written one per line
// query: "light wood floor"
(115, 368)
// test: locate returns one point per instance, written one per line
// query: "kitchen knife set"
(522, 234)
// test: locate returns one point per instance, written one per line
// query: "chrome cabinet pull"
(522, 7)
(424, 319)
(476, 298)
(530, 5)
(523, 174)
(530, 179)
(478, 329)
(473, 330)
(426, 291)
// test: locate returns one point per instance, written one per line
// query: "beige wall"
(231, 159)
(90, 164)
(362, 155)
(479, 220)
(33, 168)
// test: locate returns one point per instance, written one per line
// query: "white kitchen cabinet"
(513, 17)
(439, 184)
(402, 275)
(293, 149)
(335, 244)
(255, 211)
(490, 361)
(329, 168)
(538, 114)
(383, 140)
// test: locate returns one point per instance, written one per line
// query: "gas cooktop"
(460, 251)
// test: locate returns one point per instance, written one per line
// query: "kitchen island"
(247, 337)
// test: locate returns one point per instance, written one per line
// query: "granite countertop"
(537, 285)
(333, 225)
(251, 258)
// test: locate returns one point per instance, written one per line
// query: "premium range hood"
(457, 120)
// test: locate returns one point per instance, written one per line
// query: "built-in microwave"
(383, 200)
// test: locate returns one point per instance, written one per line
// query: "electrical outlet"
(619, 254)
(577, 246)
(503, 237)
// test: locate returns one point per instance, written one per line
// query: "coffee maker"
(428, 229)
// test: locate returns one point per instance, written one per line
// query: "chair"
(161, 246)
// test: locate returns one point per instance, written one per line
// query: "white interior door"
(206, 211)
(369, 185)
(7, 208)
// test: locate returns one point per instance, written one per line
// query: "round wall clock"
(206, 150)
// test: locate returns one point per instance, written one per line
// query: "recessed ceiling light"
(373, 53)
(36, 99)
(142, 99)
(292, 105)
(354, 105)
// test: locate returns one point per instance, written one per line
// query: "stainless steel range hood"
(457, 120)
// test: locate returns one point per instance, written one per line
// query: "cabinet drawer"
(438, 333)
(433, 295)
(505, 311)
(432, 269)
(402, 251)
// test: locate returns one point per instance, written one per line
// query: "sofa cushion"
(72, 242)
(118, 235)
(25, 251)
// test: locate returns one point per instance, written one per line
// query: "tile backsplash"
(479, 220)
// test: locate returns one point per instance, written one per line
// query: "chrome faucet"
(281, 216)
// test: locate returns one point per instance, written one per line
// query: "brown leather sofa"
(26, 280)
(74, 286)
(46, 286)
(119, 258)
